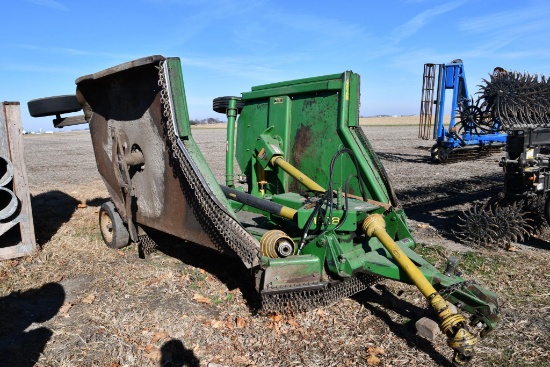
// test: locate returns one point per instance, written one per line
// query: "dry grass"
(120, 310)
(389, 121)
(78, 303)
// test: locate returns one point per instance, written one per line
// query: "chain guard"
(218, 223)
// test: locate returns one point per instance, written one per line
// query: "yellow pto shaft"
(453, 325)
(296, 173)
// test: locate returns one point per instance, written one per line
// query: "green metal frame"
(306, 121)
(301, 115)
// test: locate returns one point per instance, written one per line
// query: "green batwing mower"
(310, 209)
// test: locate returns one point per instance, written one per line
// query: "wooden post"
(17, 231)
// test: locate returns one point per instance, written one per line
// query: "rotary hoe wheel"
(511, 223)
(534, 209)
(476, 226)
(517, 99)
(471, 118)
(495, 223)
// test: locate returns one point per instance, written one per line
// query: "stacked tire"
(8, 200)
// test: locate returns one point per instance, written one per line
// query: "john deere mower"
(309, 210)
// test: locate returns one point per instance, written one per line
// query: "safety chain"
(148, 245)
(304, 300)
(447, 291)
(222, 228)
(379, 167)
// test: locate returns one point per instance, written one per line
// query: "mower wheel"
(221, 104)
(434, 152)
(51, 106)
(114, 232)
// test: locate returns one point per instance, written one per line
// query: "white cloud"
(412, 26)
(78, 52)
(49, 4)
(517, 21)
(38, 69)
(237, 67)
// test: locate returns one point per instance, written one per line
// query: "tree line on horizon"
(209, 120)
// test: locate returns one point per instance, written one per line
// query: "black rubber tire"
(221, 104)
(51, 106)
(112, 228)
(435, 151)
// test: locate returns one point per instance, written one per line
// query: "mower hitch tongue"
(309, 209)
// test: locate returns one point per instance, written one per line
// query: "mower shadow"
(376, 302)
(22, 339)
(227, 267)
(234, 275)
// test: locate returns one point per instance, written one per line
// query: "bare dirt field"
(78, 303)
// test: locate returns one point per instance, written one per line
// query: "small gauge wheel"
(51, 106)
(471, 117)
(221, 104)
(112, 228)
(434, 152)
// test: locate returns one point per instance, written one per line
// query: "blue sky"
(228, 46)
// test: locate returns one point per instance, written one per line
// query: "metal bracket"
(120, 168)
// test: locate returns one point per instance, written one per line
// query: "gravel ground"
(80, 304)
(58, 160)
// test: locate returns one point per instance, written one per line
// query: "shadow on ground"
(380, 298)
(52, 209)
(174, 354)
(22, 342)
(440, 204)
(537, 243)
(404, 157)
(232, 273)
(227, 267)
(97, 202)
